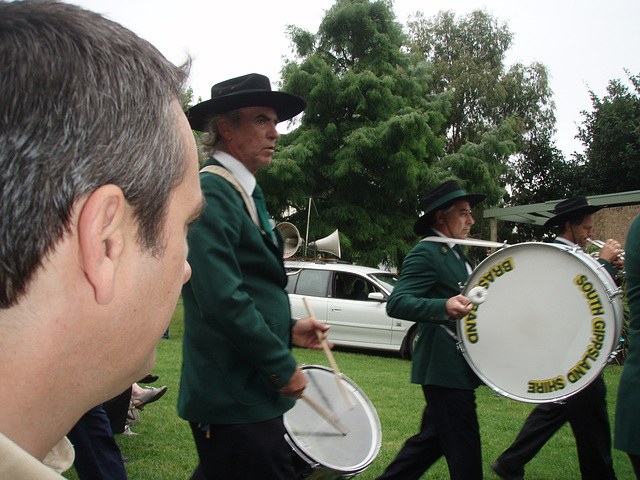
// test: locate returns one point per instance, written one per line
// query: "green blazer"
(237, 337)
(627, 427)
(431, 274)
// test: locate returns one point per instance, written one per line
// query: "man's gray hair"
(84, 103)
(212, 139)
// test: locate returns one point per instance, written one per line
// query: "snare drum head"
(548, 324)
(321, 442)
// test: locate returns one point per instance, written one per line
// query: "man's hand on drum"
(458, 307)
(612, 253)
(295, 386)
(304, 333)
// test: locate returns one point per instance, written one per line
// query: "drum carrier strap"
(227, 175)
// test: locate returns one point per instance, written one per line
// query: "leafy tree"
(501, 118)
(186, 102)
(367, 138)
(467, 56)
(611, 135)
(390, 116)
(540, 174)
(186, 99)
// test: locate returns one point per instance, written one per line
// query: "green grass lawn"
(163, 448)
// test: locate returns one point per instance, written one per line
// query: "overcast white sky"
(583, 43)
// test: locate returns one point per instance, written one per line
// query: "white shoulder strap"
(226, 174)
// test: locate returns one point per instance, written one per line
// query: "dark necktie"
(261, 207)
(461, 256)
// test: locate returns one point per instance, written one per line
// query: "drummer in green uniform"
(428, 292)
(239, 376)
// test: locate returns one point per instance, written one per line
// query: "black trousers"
(98, 456)
(450, 428)
(117, 409)
(243, 452)
(586, 412)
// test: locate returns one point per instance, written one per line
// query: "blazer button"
(275, 379)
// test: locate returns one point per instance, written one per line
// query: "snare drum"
(551, 317)
(322, 451)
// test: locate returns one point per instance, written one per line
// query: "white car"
(352, 300)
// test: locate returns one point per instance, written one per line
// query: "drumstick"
(324, 414)
(329, 355)
(466, 241)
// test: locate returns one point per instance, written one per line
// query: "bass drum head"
(318, 442)
(550, 319)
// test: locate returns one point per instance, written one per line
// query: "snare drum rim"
(609, 286)
(372, 415)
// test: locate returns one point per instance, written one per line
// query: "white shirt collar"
(244, 177)
(450, 245)
(566, 242)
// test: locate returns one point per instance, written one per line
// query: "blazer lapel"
(454, 264)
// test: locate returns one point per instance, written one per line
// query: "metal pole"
(306, 239)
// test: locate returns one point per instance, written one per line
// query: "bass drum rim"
(320, 470)
(608, 285)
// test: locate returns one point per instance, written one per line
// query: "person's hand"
(458, 307)
(610, 252)
(304, 333)
(295, 386)
(618, 262)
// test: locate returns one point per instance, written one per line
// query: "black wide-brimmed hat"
(252, 90)
(440, 198)
(571, 208)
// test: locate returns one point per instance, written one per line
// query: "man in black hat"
(239, 376)
(586, 411)
(428, 292)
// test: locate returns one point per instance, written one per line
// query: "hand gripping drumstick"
(332, 362)
(324, 414)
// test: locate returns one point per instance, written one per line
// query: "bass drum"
(321, 451)
(550, 320)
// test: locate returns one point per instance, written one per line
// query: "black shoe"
(149, 379)
(503, 473)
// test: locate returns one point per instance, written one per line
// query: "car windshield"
(387, 279)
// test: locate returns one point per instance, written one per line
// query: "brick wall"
(614, 222)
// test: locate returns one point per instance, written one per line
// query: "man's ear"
(101, 237)
(224, 128)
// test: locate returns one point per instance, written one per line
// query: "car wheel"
(409, 343)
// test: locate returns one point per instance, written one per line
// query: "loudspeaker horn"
(291, 236)
(329, 244)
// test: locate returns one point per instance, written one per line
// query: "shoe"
(132, 416)
(503, 474)
(128, 431)
(149, 396)
(149, 379)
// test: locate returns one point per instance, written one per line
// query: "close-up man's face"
(583, 231)
(253, 140)
(457, 221)
(159, 279)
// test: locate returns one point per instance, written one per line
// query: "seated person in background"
(358, 290)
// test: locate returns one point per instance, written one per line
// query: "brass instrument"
(600, 244)
(620, 269)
